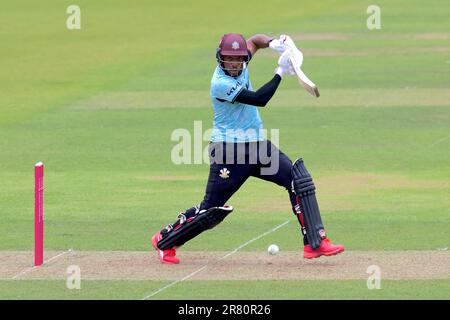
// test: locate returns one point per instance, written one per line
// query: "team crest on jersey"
(235, 45)
(224, 173)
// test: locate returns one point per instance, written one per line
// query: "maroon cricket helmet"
(232, 44)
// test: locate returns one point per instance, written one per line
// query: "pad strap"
(193, 226)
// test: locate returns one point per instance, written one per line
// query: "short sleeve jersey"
(233, 121)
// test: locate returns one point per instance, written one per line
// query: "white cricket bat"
(303, 80)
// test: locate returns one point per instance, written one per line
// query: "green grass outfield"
(98, 107)
(266, 290)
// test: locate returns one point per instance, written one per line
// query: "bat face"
(303, 80)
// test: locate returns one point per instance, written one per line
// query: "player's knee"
(302, 181)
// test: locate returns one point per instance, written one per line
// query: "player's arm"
(262, 96)
(258, 41)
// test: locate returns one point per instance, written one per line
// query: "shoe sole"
(159, 256)
(328, 254)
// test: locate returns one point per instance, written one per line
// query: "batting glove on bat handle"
(278, 45)
(284, 65)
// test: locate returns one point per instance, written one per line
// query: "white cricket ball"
(273, 249)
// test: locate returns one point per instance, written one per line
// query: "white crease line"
(44, 263)
(254, 239)
(225, 256)
(174, 283)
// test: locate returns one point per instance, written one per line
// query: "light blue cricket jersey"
(233, 121)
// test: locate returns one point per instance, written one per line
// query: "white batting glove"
(278, 45)
(284, 65)
(284, 43)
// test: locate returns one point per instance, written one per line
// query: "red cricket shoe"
(165, 256)
(326, 248)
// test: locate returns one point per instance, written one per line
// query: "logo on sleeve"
(233, 89)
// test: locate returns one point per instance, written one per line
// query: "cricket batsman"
(238, 150)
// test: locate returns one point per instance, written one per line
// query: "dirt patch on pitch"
(398, 265)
